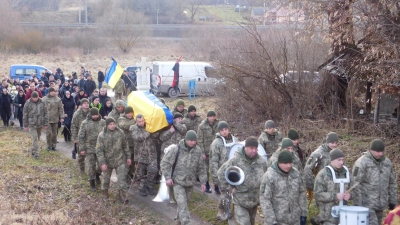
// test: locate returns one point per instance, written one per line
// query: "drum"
(260, 151)
(354, 215)
(233, 150)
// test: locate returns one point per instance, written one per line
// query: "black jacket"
(6, 101)
(69, 107)
(104, 111)
(100, 76)
(90, 85)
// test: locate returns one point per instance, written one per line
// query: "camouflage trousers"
(146, 173)
(92, 166)
(51, 135)
(35, 133)
(245, 216)
(131, 168)
(182, 196)
(81, 161)
(207, 162)
(121, 176)
(375, 217)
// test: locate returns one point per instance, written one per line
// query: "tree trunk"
(398, 111)
(335, 102)
(377, 104)
(368, 98)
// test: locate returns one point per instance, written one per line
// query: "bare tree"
(124, 27)
(193, 7)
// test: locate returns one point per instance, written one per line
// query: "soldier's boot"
(314, 221)
(208, 189)
(142, 192)
(216, 189)
(73, 154)
(105, 195)
(151, 190)
(98, 181)
(122, 196)
(92, 185)
(260, 212)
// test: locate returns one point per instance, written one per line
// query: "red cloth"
(393, 218)
(29, 93)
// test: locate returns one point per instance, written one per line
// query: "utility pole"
(80, 10)
(86, 22)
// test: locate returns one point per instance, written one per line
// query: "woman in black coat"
(19, 102)
(6, 107)
(106, 109)
(69, 108)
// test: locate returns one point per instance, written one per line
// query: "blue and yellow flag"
(156, 115)
(114, 74)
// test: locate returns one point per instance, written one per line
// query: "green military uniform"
(246, 196)
(35, 117)
(184, 112)
(190, 164)
(55, 110)
(192, 123)
(283, 196)
(168, 138)
(220, 149)
(378, 183)
(114, 113)
(112, 150)
(270, 142)
(87, 136)
(296, 161)
(78, 117)
(119, 88)
(124, 124)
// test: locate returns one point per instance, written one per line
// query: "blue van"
(22, 71)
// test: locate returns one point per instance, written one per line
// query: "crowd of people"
(194, 149)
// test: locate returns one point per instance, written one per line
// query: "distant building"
(36, 5)
(284, 15)
(257, 13)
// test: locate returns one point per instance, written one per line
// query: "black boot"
(208, 189)
(143, 192)
(98, 181)
(216, 189)
(73, 154)
(151, 191)
(92, 186)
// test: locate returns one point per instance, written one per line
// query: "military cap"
(180, 102)
(251, 142)
(332, 137)
(109, 120)
(51, 89)
(128, 109)
(191, 136)
(94, 111)
(222, 125)
(335, 154)
(178, 115)
(293, 134)
(287, 142)
(191, 108)
(211, 113)
(269, 124)
(83, 100)
(285, 157)
(377, 145)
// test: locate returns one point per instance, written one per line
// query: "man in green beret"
(118, 110)
(79, 116)
(192, 120)
(206, 134)
(180, 108)
(246, 196)
(327, 188)
(180, 166)
(87, 136)
(35, 118)
(378, 182)
(288, 145)
(283, 193)
(270, 138)
(113, 152)
(55, 110)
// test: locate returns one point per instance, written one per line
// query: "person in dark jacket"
(103, 96)
(69, 108)
(64, 89)
(100, 78)
(81, 82)
(107, 108)
(80, 96)
(19, 102)
(90, 85)
(6, 107)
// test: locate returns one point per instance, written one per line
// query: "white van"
(200, 71)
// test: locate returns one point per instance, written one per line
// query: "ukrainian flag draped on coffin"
(155, 113)
(114, 74)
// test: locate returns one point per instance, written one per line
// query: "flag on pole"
(114, 73)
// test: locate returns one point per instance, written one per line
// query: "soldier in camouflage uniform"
(283, 193)
(270, 138)
(220, 149)
(189, 164)
(180, 108)
(206, 135)
(246, 196)
(288, 145)
(87, 136)
(378, 182)
(124, 123)
(79, 116)
(118, 110)
(192, 120)
(35, 118)
(294, 136)
(326, 192)
(113, 152)
(119, 88)
(55, 110)
(145, 155)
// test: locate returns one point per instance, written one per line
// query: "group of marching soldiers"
(186, 152)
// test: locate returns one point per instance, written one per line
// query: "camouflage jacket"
(270, 142)
(316, 162)
(325, 193)
(115, 114)
(145, 149)
(35, 114)
(112, 148)
(378, 182)
(169, 138)
(120, 86)
(78, 117)
(283, 196)
(220, 149)
(55, 108)
(190, 164)
(124, 124)
(247, 194)
(206, 135)
(184, 112)
(88, 133)
(192, 123)
(296, 161)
